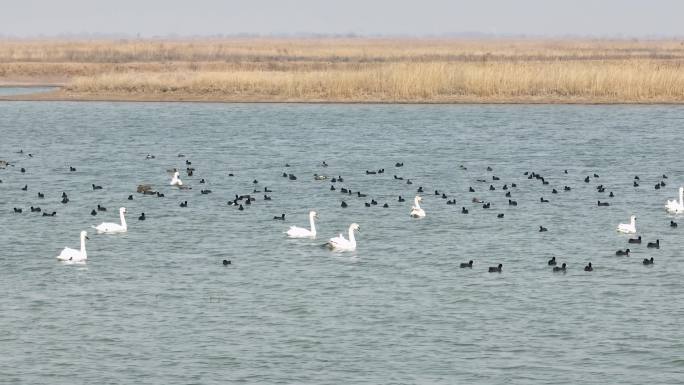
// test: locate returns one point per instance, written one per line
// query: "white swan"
(176, 181)
(416, 211)
(300, 232)
(342, 244)
(111, 228)
(72, 255)
(628, 228)
(676, 207)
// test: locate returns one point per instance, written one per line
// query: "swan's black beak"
(88, 238)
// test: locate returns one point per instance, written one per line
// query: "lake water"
(157, 306)
(8, 91)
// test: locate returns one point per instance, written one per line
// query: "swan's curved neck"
(632, 221)
(83, 250)
(415, 203)
(123, 219)
(313, 225)
(352, 240)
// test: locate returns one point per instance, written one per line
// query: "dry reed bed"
(348, 70)
(636, 81)
(332, 50)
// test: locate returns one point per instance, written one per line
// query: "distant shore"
(422, 71)
(60, 95)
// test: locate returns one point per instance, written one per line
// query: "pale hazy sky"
(392, 17)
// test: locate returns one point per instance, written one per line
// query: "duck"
(54, 213)
(401, 199)
(344, 204)
(512, 203)
(341, 244)
(416, 210)
(72, 169)
(634, 240)
(603, 204)
(542, 229)
(468, 264)
(588, 267)
(226, 262)
(620, 252)
(101, 208)
(18, 210)
(628, 228)
(542, 200)
(175, 180)
(674, 206)
(41, 195)
(279, 218)
(267, 198)
(552, 261)
(35, 209)
(112, 228)
(561, 268)
(654, 245)
(300, 232)
(464, 210)
(25, 188)
(673, 224)
(72, 255)
(130, 197)
(142, 217)
(496, 269)
(95, 187)
(93, 212)
(647, 261)
(184, 204)
(500, 215)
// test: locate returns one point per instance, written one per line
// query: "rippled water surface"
(156, 305)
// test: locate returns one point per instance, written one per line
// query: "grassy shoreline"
(351, 70)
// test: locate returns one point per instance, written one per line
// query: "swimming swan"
(112, 228)
(676, 207)
(342, 244)
(416, 211)
(176, 181)
(71, 255)
(628, 228)
(300, 232)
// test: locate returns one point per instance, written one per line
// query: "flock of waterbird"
(340, 243)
